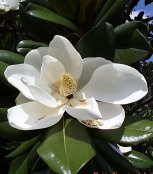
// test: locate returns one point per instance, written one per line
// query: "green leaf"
(10, 133)
(10, 57)
(139, 160)
(23, 147)
(140, 49)
(132, 132)
(98, 42)
(25, 46)
(66, 8)
(3, 114)
(111, 12)
(7, 87)
(140, 41)
(69, 146)
(35, 26)
(50, 16)
(3, 67)
(108, 4)
(130, 55)
(25, 165)
(15, 163)
(124, 33)
(116, 160)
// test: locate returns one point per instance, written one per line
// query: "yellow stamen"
(92, 122)
(68, 85)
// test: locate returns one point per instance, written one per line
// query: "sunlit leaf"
(132, 132)
(139, 160)
(67, 147)
(25, 46)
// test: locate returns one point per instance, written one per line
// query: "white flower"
(6, 5)
(56, 79)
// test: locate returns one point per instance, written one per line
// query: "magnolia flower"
(56, 79)
(6, 5)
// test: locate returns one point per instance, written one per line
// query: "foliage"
(96, 28)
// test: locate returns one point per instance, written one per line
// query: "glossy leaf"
(112, 12)
(67, 147)
(132, 132)
(25, 46)
(66, 8)
(10, 57)
(34, 26)
(139, 50)
(23, 147)
(130, 55)
(116, 160)
(124, 33)
(140, 41)
(98, 42)
(139, 160)
(26, 164)
(108, 4)
(52, 17)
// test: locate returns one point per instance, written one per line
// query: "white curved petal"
(125, 149)
(33, 115)
(63, 50)
(90, 64)
(20, 99)
(51, 70)
(20, 75)
(13, 4)
(112, 116)
(43, 97)
(35, 57)
(115, 83)
(85, 110)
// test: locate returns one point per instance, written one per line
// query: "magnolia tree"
(69, 71)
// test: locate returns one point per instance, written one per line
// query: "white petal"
(63, 50)
(124, 149)
(51, 70)
(43, 97)
(13, 4)
(20, 99)
(89, 66)
(115, 83)
(112, 116)
(35, 57)
(33, 115)
(21, 74)
(86, 110)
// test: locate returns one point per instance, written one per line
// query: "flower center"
(68, 85)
